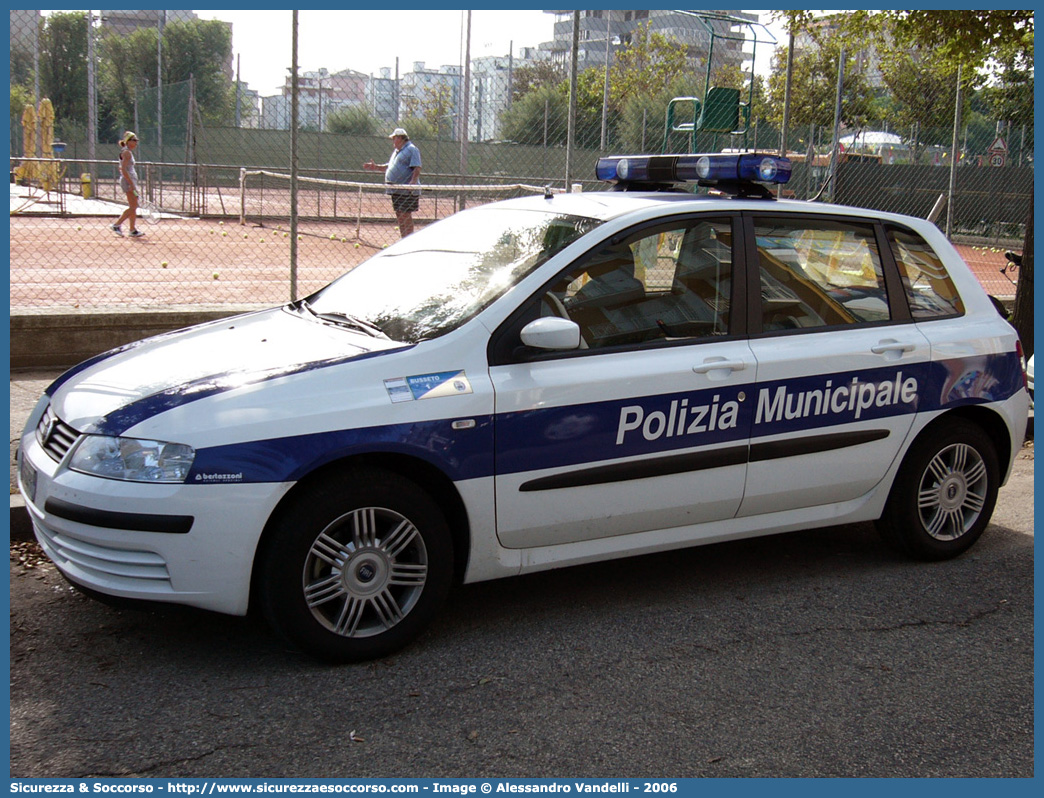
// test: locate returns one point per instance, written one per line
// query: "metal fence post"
(242, 195)
(954, 157)
(832, 178)
(465, 115)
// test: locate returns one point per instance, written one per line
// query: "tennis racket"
(148, 211)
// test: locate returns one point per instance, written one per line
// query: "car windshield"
(434, 280)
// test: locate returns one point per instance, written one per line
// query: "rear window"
(818, 273)
(929, 289)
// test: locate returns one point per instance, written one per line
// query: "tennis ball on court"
(223, 233)
(299, 238)
(344, 240)
(286, 235)
(220, 222)
(163, 264)
(79, 227)
(246, 235)
(262, 240)
(333, 237)
(215, 275)
(356, 244)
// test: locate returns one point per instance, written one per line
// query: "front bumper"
(184, 544)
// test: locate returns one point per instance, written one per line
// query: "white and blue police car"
(531, 384)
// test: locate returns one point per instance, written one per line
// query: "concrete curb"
(60, 339)
(21, 524)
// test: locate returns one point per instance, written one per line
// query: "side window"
(666, 283)
(818, 273)
(929, 289)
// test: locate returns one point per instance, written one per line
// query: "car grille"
(54, 435)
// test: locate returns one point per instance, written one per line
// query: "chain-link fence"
(250, 211)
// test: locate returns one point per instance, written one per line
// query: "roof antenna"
(548, 194)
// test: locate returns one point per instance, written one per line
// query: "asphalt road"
(810, 654)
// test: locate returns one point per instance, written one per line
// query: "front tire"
(944, 493)
(356, 566)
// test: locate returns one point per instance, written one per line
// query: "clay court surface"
(79, 263)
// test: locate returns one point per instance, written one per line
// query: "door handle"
(719, 365)
(892, 346)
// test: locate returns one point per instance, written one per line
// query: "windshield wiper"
(345, 320)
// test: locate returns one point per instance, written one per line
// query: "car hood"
(109, 393)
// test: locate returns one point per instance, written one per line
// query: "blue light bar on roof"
(696, 167)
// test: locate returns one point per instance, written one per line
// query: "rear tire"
(944, 493)
(356, 566)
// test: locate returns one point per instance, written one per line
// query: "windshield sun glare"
(437, 278)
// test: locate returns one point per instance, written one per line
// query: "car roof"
(607, 205)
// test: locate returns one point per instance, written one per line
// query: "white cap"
(398, 132)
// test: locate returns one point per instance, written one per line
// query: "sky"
(365, 41)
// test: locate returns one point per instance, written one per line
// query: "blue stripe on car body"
(576, 435)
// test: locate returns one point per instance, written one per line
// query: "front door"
(646, 426)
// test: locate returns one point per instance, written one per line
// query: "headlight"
(132, 459)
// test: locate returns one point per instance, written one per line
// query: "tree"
(640, 126)
(532, 76)
(813, 93)
(437, 109)
(127, 63)
(418, 128)
(353, 121)
(923, 91)
(642, 119)
(590, 93)
(641, 70)
(979, 41)
(646, 65)
(1009, 97)
(539, 117)
(971, 39)
(63, 68)
(20, 98)
(432, 105)
(197, 48)
(21, 62)
(201, 49)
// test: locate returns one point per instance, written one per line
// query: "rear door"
(840, 363)
(646, 426)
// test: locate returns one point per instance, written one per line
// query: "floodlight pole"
(92, 102)
(571, 120)
(36, 153)
(464, 118)
(786, 97)
(786, 107)
(605, 87)
(293, 158)
(159, 86)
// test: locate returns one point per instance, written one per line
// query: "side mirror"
(552, 333)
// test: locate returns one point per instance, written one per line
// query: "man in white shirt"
(402, 168)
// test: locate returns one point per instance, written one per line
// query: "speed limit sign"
(997, 159)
